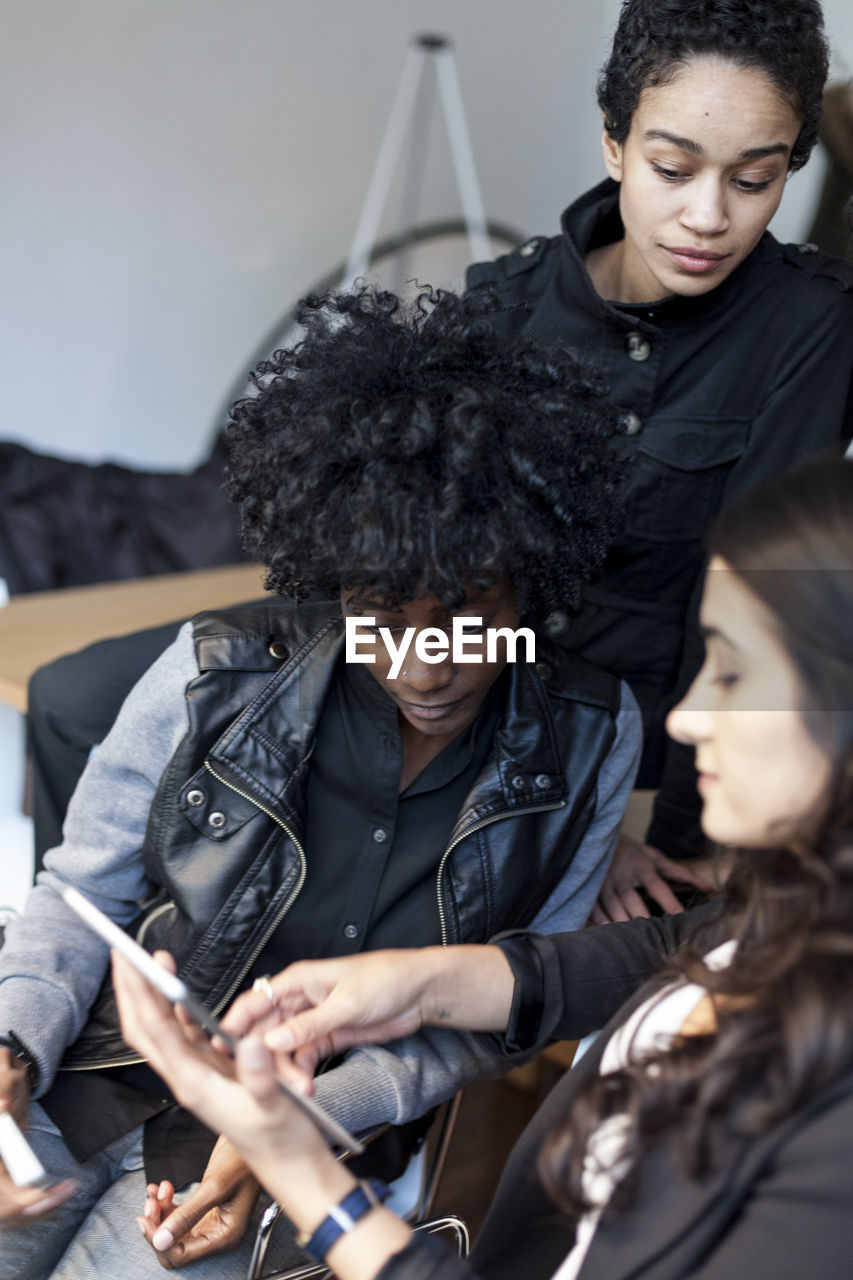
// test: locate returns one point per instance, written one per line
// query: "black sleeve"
(569, 984)
(426, 1258)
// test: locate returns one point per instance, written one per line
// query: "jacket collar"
(675, 1220)
(265, 750)
(592, 220)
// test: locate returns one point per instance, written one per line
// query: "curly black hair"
(417, 451)
(654, 38)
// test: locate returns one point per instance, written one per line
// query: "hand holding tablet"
(177, 992)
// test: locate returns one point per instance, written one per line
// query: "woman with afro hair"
(263, 798)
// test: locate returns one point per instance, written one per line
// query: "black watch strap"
(8, 1040)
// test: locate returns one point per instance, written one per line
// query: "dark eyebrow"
(684, 144)
(758, 153)
(687, 144)
(714, 633)
(472, 602)
(358, 604)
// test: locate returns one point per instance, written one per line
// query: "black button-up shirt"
(372, 851)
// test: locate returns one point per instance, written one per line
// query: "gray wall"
(177, 171)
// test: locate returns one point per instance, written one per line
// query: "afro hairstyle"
(415, 450)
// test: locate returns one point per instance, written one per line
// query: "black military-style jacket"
(223, 838)
(716, 394)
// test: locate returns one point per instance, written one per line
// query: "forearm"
(396, 1083)
(307, 1189)
(467, 987)
(51, 966)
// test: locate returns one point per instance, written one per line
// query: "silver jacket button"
(528, 250)
(518, 782)
(638, 346)
(632, 423)
(195, 797)
(217, 820)
(542, 781)
(278, 650)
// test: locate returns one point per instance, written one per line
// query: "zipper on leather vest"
(128, 1061)
(463, 835)
(149, 920)
(303, 868)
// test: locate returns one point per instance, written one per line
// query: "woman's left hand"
(637, 866)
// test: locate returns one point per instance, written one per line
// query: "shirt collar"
(593, 220)
(359, 685)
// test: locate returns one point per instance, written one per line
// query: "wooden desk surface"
(36, 628)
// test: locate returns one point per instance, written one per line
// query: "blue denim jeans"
(33, 1252)
(94, 1235)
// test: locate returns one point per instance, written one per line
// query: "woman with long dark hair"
(709, 1131)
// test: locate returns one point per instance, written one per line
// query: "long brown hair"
(785, 1007)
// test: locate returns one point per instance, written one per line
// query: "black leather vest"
(224, 832)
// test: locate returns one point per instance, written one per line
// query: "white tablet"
(177, 991)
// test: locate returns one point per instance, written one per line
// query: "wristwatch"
(342, 1217)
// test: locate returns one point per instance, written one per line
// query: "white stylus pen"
(22, 1164)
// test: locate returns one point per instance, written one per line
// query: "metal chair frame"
(438, 1143)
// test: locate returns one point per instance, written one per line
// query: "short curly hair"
(654, 38)
(415, 450)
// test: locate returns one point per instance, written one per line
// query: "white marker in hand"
(22, 1164)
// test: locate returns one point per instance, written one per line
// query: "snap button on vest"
(518, 781)
(278, 650)
(217, 820)
(195, 797)
(528, 250)
(542, 781)
(632, 423)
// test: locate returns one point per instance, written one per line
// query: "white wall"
(176, 172)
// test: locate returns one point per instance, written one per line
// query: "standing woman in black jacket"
(709, 1132)
(728, 354)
